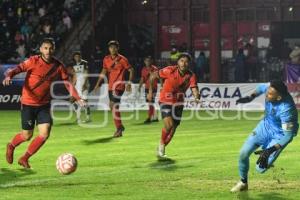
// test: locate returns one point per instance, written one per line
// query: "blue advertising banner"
(10, 95)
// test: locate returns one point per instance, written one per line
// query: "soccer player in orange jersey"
(177, 79)
(147, 70)
(114, 67)
(42, 70)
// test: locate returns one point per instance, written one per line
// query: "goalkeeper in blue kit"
(273, 133)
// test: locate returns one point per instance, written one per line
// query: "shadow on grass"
(261, 196)
(98, 141)
(9, 175)
(167, 164)
(140, 124)
(66, 124)
(273, 196)
(146, 124)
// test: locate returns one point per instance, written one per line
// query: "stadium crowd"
(23, 23)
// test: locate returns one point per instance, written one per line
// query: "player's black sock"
(244, 180)
(75, 106)
(88, 111)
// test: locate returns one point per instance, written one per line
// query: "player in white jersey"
(81, 83)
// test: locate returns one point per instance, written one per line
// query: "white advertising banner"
(213, 97)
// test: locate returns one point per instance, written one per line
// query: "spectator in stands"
(3, 27)
(60, 28)
(201, 64)
(285, 51)
(295, 54)
(75, 9)
(29, 5)
(22, 22)
(42, 11)
(26, 30)
(19, 10)
(67, 20)
(47, 27)
(251, 63)
(239, 65)
(19, 37)
(21, 51)
(174, 54)
(68, 3)
(33, 19)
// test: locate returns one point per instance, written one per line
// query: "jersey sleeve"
(105, 64)
(63, 73)
(22, 67)
(193, 81)
(288, 117)
(125, 63)
(164, 73)
(261, 89)
(143, 75)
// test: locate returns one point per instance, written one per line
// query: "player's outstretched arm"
(141, 84)
(100, 79)
(246, 99)
(260, 89)
(7, 81)
(73, 75)
(73, 92)
(153, 76)
(9, 74)
(131, 75)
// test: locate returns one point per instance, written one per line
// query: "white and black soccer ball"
(66, 163)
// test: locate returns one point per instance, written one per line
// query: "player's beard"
(47, 58)
(182, 70)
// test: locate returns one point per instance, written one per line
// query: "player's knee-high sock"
(75, 106)
(87, 112)
(78, 113)
(247, 149)
(164, 135)
(170, 136)
(117, 116)
(244, 168)
(34, 146)
(151, 111)
(17, 140)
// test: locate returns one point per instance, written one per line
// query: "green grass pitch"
(204, 157)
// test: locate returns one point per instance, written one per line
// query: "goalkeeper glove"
(264, 157)
(246, 99)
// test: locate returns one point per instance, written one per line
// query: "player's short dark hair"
(185, 55)
(148, 57)
(48, 40)
(76, 53)
(280, 87)
(113, 42)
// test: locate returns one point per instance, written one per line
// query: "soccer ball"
(66, 163)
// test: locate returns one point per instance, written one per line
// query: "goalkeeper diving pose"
(273, 133)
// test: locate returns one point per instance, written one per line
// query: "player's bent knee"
(45, 135)
(244, 155)
(169, 126)
(260, 170)
(27, 134)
